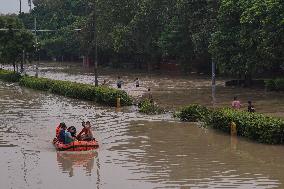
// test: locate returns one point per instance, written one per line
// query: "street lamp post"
(93, 36)
(30, 4)
(37, 47)
(20, 7)
(96, 43)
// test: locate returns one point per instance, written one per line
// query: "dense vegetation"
(275, 84)
(244, 38)
(15, 41)
(249, 37)
(194, 113)
(146, 106)
(141, 32)
(102, 95)
(9, 76)
(254, 126)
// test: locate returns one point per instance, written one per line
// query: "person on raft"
(86, 133)
(61, 136)
(58, 129)
(69, 135)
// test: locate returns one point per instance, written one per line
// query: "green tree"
(249, 37)
(14, 41)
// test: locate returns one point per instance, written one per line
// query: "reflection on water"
(136, 151)
(68, 161)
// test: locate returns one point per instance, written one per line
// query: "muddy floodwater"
(136, 151)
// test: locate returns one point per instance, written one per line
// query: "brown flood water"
(136, 151)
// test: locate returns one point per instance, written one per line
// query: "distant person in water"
(119, 82)
(149, 95)
(137, 82)
(104, 83)
(236, 104)
(250, 107)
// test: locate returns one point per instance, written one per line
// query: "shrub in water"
(9, 76)
(148, 107)
(102, 95)
(275, 84)
(194, 113)
(255, 126)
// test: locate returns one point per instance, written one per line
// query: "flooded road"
(136, 151)
(169, 91)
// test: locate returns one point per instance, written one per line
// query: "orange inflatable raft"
(76, 145)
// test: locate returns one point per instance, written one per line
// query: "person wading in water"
(236, 104)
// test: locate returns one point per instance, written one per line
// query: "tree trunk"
(248, 80)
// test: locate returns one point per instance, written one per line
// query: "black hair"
(62, 124)
(235, 97)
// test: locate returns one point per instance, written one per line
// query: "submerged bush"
(102, 95)
(254, 126)
(194, 113)
(43, 84)
(9, 76)
(150, 108)
(275, 84)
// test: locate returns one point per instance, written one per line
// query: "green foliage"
(249, 36)
(102, 95)
(145, 30)
(275, 84)
(14, 41)
(9, 76)
(148, 107)
(194, 113)
(254, 126)
(63, 16)
(43, 84)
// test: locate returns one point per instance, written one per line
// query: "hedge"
(194, 113)
(9, 76)
(275, 84)
(150, 108)
(102, 95)
(254, 126)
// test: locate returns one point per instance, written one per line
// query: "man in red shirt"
(86, 133)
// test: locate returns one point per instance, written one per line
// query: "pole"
(30, 4)
(37, 50)
(96, 45)
(20, 7)
(213, 68)
(23, 61)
